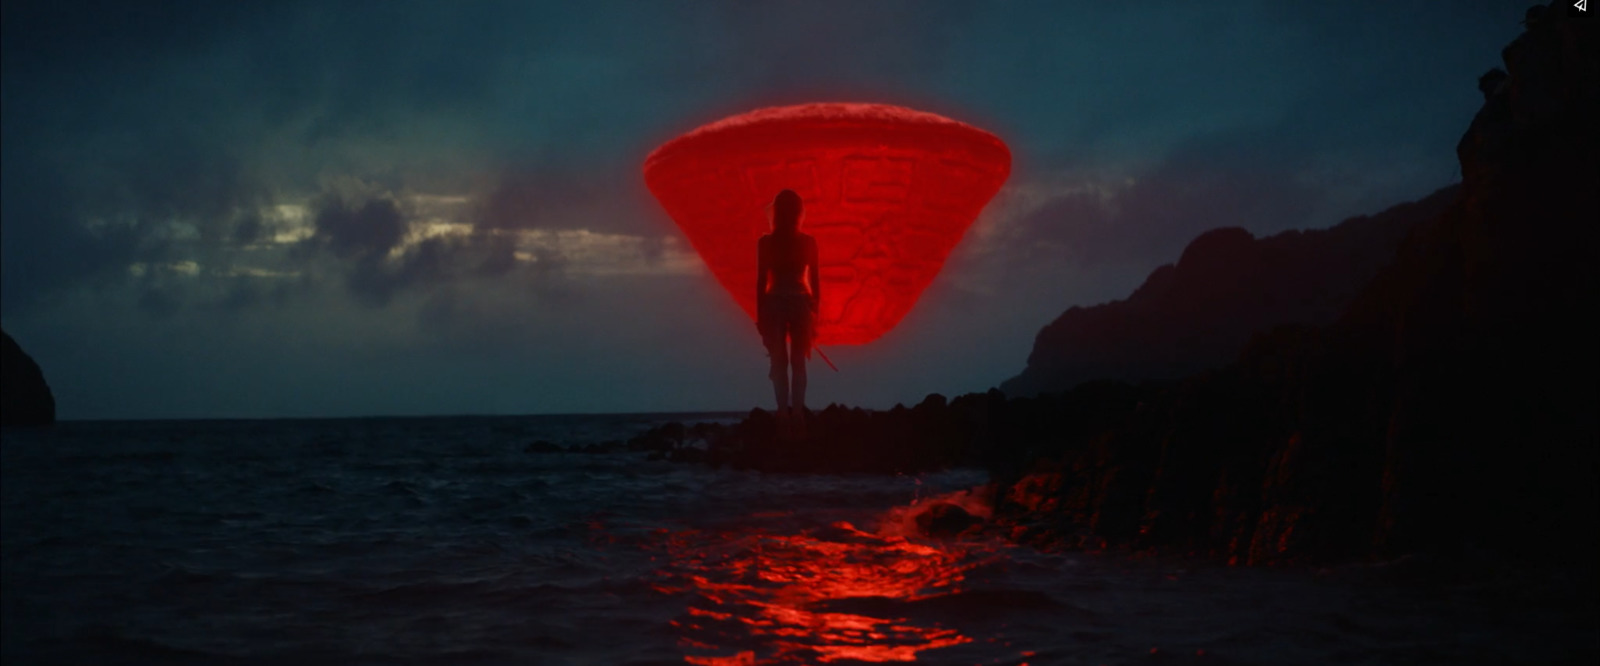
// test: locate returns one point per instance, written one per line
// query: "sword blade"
(825, 358)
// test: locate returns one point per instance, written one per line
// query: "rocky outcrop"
(26, 397)
(933, 435)
(1450, 409)
(1488, 319)
(944, 520)
(1198, 314)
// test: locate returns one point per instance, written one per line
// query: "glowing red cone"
(888, 192)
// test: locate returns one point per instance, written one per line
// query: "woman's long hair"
(786, 209)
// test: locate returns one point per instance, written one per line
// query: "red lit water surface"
(764, 598)
(888, 193)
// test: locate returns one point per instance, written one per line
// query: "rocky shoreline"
(1450, 410)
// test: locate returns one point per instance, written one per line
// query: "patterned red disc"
(888, 192)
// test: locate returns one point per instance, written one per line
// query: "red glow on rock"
(888, 193)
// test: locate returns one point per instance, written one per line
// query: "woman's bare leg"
(799, 344)
(779, 374)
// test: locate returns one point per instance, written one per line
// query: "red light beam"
(888, 193)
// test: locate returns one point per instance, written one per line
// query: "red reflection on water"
(809, 598)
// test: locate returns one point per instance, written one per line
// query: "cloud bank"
(248, 190)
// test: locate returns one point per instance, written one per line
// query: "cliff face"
(25, 399)
(1199, 313)
(1488, 318)
(1450, 408)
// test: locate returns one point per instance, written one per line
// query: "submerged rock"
(543, 446)
(944, 520)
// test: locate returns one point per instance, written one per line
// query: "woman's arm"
(814, 274)
(762, 267)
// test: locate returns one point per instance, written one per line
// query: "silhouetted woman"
(787, 293)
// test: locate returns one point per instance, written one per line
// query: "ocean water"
(442, 541)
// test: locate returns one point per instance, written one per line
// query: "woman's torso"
(786, 258)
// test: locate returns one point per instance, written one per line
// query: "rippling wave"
(451, 541)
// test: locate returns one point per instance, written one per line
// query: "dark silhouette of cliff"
(1198, 314)
(25, 399)
(1451, 409)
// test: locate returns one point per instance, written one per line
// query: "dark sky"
(220, 209)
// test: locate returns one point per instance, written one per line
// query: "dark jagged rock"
(1489, 318)
(933, 435)
(976, 429)
(1451, 409)
(608, 446)
(542, 446)
(1198, 314)
(944, 520)
(27, 398)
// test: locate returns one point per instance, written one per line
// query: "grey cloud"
(79, 208)
(1202, 185)
(868, 48)
(249, 228)
(501, 257)
(159, 302)
(121, 118)
(46, 245)
(360, 225)
(548, 198)
(372, 282)
(375, 280)
(527, 200)
(182, 179)
(431, 259)
(242, 293)
(361, 228)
